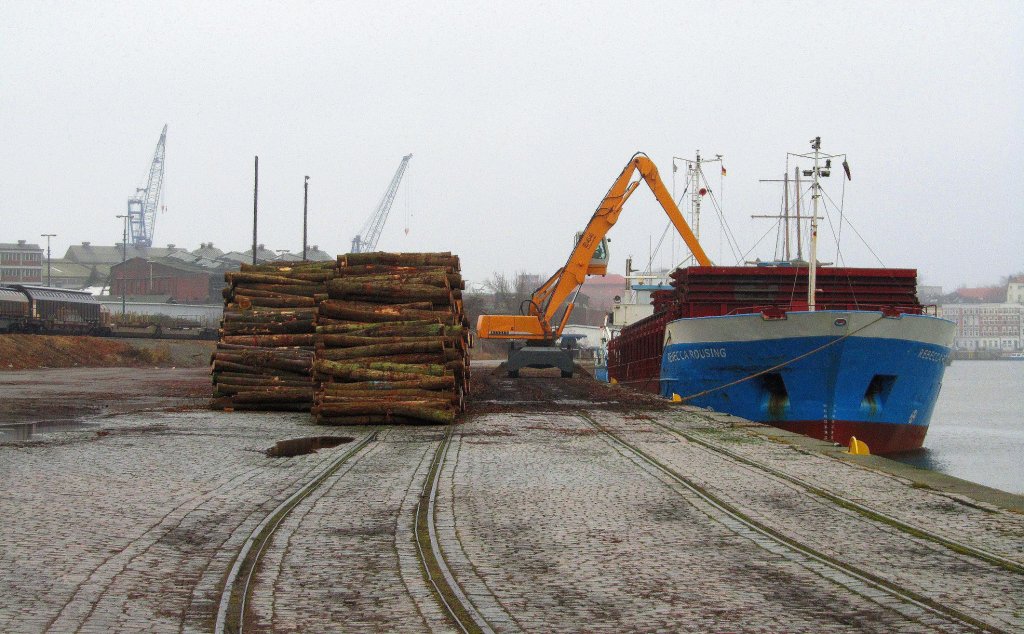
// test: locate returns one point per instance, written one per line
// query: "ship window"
(878, 391)
(775, 396)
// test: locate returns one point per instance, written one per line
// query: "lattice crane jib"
(142, 207)
(367, 239)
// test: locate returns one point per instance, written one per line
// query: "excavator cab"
(599, 261)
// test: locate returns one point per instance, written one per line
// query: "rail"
(853, 505)
(238, 585)
(855, 580)
(443, 583)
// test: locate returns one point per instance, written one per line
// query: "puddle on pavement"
(303, 446)
(25, 431)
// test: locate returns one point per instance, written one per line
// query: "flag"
(723, 170)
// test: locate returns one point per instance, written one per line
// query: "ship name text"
(696, 353)
(931, 355)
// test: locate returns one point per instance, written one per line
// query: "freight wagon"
(39, 309)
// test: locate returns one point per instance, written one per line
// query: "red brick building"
(183, 282)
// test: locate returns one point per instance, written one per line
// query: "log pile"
(371, 338)
(391, 341)
(264, 359)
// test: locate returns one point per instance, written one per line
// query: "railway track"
(446, 589)
(453, 593)
(443, 584)
(908, 604)
(238, 585)
(1006, 563)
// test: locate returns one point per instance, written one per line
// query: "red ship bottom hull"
(881, 438)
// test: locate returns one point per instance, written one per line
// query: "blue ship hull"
(827, 374)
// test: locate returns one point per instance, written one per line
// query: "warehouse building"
(178, 281)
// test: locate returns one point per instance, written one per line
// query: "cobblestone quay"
(556, 505)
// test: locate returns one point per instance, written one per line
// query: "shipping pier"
(555, 505)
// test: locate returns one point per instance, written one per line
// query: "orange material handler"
(589, 257)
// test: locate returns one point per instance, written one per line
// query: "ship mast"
(817, 173)
(695, 196)
(799, 240)
(785, 207)
(695, 173)
(812, 272)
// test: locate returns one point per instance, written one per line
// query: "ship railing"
(778, 311)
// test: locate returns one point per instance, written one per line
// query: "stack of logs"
(264, 359)
(372, 338)
(392, 341)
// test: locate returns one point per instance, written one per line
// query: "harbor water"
(977, 429)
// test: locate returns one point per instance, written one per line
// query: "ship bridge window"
(878, 391)
(774, 396)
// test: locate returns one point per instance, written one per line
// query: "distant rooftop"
(207, 255)
(208, 251)
(87, 253)
(988, 294)
(21, 245)
(170, 262)
(314, 254)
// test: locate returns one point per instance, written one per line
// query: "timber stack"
(264, 359)
(391, 341)
(372, 338)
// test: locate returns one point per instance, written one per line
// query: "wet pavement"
(557, 505)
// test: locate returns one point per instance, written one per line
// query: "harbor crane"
(366, 241)
(143, 205)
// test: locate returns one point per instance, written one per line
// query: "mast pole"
(785, 209)
(812, 273)
(255, 204)
(695, 196)
(799, 239)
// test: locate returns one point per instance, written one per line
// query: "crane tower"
(366, 241)
(142, 207)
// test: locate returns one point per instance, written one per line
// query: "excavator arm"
(537, 324)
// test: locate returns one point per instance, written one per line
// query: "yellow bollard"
(676, 398)
(613, 381)
(859, 447)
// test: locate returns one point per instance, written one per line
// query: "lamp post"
(124, 258)
(48, 236)
(255, 204)
(305, 209)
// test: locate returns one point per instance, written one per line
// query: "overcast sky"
(519, 116)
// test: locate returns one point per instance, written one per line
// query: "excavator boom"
(538, 325)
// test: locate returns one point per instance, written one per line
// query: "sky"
(519, 116)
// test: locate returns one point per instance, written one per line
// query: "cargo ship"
(830, 352)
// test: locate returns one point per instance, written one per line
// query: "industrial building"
(178, 281)
(21, 263)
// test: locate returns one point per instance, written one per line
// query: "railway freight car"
(39, 309)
